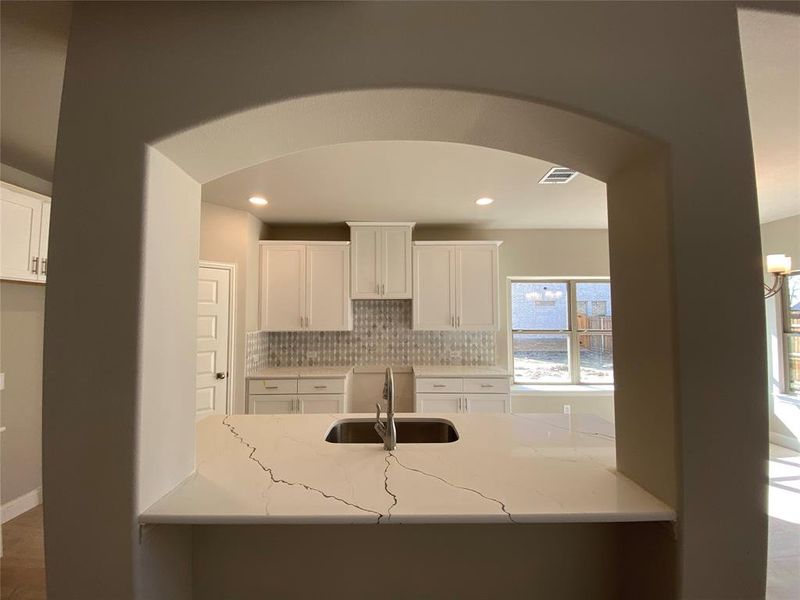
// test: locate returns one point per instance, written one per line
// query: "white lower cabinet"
(284, 396)
(453, 395)
(485, 403)
(439, 403)
(321, 403)
(279, 404)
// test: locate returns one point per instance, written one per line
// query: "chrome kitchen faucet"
(387, 431)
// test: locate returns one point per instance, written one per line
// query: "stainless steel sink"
(409, 431)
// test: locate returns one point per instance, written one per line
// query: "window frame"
(573, 333)
(786, 334)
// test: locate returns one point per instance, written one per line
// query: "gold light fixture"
(780, 266)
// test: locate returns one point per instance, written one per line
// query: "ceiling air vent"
(558, 175)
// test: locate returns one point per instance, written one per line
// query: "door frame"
(232, 358)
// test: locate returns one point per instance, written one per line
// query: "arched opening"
(633, 167)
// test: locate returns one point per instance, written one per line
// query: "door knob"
(221, 375)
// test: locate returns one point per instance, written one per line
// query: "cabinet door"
(396, 262)
(486, 403)
(20, 227)
(44, 241)
(438, 403)
(365, 251)
(321, 403)
(283, 287)
(328, 287)
(476, 287)
(278, 404)
(434, 287)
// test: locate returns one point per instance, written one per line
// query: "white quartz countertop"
(300, 372)
(458, 371)
(504, 469)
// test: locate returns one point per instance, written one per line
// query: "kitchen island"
(504, 468)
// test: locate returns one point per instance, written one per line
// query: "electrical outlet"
(567, 409)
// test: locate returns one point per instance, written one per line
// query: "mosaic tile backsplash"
(381, 335)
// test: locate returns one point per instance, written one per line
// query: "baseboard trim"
(17, 506)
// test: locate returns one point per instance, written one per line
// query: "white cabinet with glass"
(24, 228)
(456, 285)
(380, 260)
(561, 331)
(305, 286)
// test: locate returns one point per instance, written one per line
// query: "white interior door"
(283, 287)
(328, 287)
(365, 251)
(434, 302)
(20, 227)
(213, 331)
(476, 288)
(396, 246)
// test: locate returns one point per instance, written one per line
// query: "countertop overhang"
(505, 468)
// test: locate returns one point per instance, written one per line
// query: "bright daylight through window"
(561, 331)
(791, 332)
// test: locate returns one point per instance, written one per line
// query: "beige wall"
(657, 56)
(231, 236)
(21, 337)
(780, 237)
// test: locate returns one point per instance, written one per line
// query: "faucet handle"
(378, 411)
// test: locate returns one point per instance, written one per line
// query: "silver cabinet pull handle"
(320, 387)
(458, 321)
(438, 385)
(299, 405)
(35, 265)
(466, 403)
(44, 266)
(270, 387)
(486, 385)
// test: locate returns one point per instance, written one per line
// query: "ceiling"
(426, 182)
(33, 41)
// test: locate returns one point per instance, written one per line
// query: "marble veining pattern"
(381, 334)
(503, 469)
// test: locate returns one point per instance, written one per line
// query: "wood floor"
(22, 565)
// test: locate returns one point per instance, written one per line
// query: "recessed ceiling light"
(484, 201)
(258, 200)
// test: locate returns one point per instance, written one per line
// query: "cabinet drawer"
(486, 385)
(272, 386)
(437, 385)
(320, 386)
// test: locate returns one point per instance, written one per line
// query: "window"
(791, 332)
(561, 331)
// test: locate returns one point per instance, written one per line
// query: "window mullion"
(574, 347)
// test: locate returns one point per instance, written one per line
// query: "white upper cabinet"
(476, 286)
(380, 260)
(305, 286)
(24, 227)
(328, 287)
(434, 287)
(456, 285)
